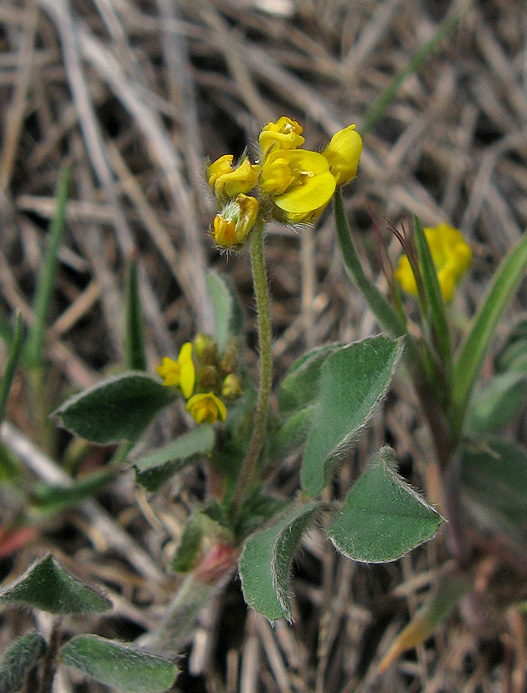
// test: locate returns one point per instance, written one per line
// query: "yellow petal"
(284, 134)
(343, 154)
(169, 370)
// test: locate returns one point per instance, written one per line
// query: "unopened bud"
(231, 387)
(232, 225)
(208, 378)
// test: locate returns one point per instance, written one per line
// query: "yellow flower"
(206, 407)
(300, 182)
(343, 154)
(232, 225)
(284, 134)
(180, 373)
(451, 255)
(227, 181)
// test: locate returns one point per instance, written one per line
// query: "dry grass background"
(135, 94)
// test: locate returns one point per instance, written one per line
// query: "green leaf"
(299, 387)
(202, 524)
(118, 665)
(439, 322)
(513, 355)
(228, 317)
(470, 356)
(52, 499)
(13, 355)
(281, 441)
(496, 403)
(494, 484)
(48, 273)
(48, 586)
(265, 563)
(17, 661)
(256, 511)
(154, 469)
(383, 517)
(353, 381)
(134, 339)
(119, 408)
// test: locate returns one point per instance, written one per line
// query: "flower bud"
(231, 387)
(343, 154)
(232, 225)
(229, 362)
(208, 378)
(201, 343)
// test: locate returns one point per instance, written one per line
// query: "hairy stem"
(266, 371)
(50, 660)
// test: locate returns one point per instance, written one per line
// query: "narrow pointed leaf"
(470, 356)
(117, 665)
(441, 331)
(17, 661)
(496, 403)
(15, 350)
(52, 499)
(265, 563)
(48, 273)
(228, 317)
(354, 379)
(383, 517)
(48, 586)
(494, 485)
(154, 469)
(134, 338)
(119, 408)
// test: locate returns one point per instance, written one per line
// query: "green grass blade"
(472, 351)
(15, 350)
(46, 280)
(437, 312)
(135, 343)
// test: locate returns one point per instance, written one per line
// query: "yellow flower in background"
(180, 373)
(300, 182)
(284, 134)
(227, 181)
(232, 225)
(343, 154)
(206, 407)
(451, 255)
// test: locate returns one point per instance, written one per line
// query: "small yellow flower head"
(300, 182)
(232, 225)
(180, 373)
(343, 154)
(231, 387)
(227, 182)
(206, 407)
(284, 134)
(451, 255)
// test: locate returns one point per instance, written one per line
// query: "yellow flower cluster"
(451, 256)
(291, 184)
(211, 375)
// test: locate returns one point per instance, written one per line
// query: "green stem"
(266, 370)
(380, 307)
(181, 616)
